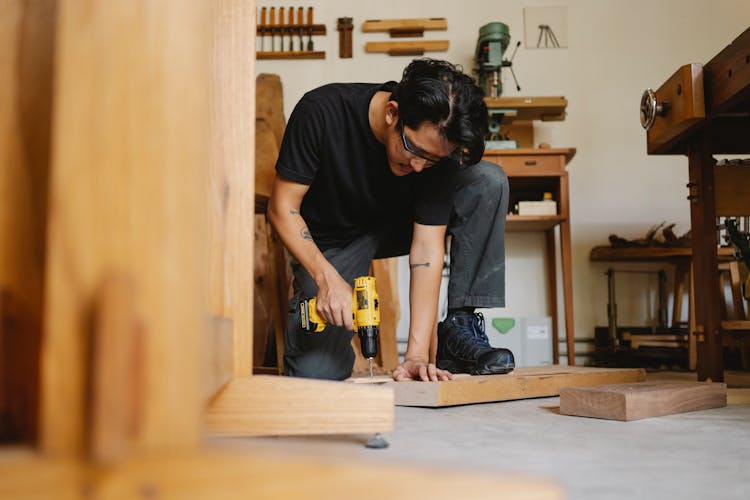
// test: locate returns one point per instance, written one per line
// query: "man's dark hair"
(439, 92)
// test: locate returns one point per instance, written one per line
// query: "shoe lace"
(470, 339)
(479, 331)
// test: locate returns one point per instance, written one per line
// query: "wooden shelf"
(408, 48)
(530, 223)
(405, 27)
(276, 29)
(529, 108)
(607, 253)
(302, 54)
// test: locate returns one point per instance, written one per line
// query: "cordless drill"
(365, 316)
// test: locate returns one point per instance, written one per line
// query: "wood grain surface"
(641, 400)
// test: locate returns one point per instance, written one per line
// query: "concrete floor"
(697, 455)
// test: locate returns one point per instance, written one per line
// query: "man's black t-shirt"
(328, 144)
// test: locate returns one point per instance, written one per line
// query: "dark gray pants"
(477, 277)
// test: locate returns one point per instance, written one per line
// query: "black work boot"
(463, 347)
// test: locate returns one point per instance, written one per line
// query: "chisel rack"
(283, 38)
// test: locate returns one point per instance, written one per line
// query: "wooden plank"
(425, 24)
(732, 189)
(26, 62)
(219, 355)
(727, 76)
(736, 325)
(683, 96)
(642, 400)
(522, 383)
(128, 170)
(272, 405)
(408, 47)
(386, 274)
(734, 378)
(24, 474)
(231, 190)
(651, 254)
(545, 108)
(116, 372)
(261, 473)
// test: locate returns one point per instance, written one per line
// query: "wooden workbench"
(709, 113)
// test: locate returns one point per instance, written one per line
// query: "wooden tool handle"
(273, 16)
(309, 16)
(263, 16)
(300, 15)
(291, 15)
(281, 15)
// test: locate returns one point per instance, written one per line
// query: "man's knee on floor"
(320, 365)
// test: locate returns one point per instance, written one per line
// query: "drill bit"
(370, 369)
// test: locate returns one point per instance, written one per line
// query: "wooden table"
(681, 259)
(708, 113)
(531, 172)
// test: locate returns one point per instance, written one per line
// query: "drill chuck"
(368, 340)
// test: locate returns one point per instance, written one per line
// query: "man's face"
(413, 150)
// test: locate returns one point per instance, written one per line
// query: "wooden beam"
(25, 474)
(271, 405)
(127, 198)
(683, 99)
(231, 190)
(26, 62)
(260, 473)
(424, 24)
(408, 48)
(727, 77)
(522, 383)
(642, 400)
(219, 355)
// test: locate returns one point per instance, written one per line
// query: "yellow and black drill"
(365, 316)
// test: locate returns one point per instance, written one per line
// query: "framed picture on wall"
(545, 27)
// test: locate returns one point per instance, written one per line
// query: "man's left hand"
(420, 370)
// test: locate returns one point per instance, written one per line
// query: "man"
(372, 171)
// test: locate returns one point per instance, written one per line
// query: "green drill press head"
(491, 45)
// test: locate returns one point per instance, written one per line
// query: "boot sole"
(495, 371)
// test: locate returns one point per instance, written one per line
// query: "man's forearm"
(286, 219)
(426, 268)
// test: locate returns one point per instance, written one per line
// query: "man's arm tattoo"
(305, 233)
(294, 212)
(425, 264)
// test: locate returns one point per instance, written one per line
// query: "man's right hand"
(334, 301)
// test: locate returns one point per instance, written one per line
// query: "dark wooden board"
(641, 400)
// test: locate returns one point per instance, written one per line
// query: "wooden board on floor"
(267, 405)
(522, 383)
(641, 400)
(227, 473)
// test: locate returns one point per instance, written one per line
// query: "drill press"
(491, 45)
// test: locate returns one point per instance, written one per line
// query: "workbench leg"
(552, 293)
(567, 278)
(703, 223)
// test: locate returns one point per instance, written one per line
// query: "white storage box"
(545, 207)
(529, 339)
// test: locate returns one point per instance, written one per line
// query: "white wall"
(616, 49)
